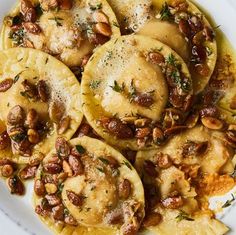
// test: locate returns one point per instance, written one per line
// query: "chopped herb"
(34, 78)
(39, 10)
(94, 84)
(209, 51)
(165, 12)
(19, 137)
(93, 187)
(100, 169)
(60, 188)
(41, 175)
(57, 20)
(183, 216)
(46, 61)
(109, 55)
(17, 36)
(25, 94)
(16, 20)
(117, 88)
(115, 24)
(97, 7)
(171, 60)
(8, 104)
(88, 209)
(229, 202)
(104, 160)
(234, 173)
(80, 149)
(66, 212)
(132, 89)
(127, 164)
(16, 78)
(183, 84)
(115, 172)
(216, 27)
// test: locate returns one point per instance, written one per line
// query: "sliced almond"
(66, 168)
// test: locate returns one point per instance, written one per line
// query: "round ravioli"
(131, 14)
(87, 187)
(39, 100)
(183, 27)
(126, 88)
(67, 29)
(204, 149)
(170, 177)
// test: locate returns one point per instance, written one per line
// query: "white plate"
(16, 213)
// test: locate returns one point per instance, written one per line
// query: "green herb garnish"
(171, 60)
(94, 84)
(16, 20)
(19, 137)
(117, 88)
(17, 36)
(60, 188)
(96, 7)
(100, 169)
(229, 202)
(165, 12)
(183, 216)
(57, 20)
(80, 149)
(39, 10)
(127, 164)
(115, 24)
(104, 160)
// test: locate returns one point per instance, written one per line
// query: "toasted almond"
(103, 29)
(50, 188)
(141, 122)
(129, 119)
(212, 123)
(67, 169)
(63, 125)
(33, 136)
(157, 135)
(99, 16)
(232, 127)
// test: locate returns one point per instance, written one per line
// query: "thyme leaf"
(117, 88)
(127, 164)
(96, 7)
(104, 160)
(100, 169)
(165, 12)
(58, 20)
(183, 216)
(80, 149)
(229, 202)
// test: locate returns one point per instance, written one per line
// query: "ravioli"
(126, 87)
(170, 177)
(39, 100)
(131, 14)
(198, 146)
(99, 193)
(68, 30)
(183, 27)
